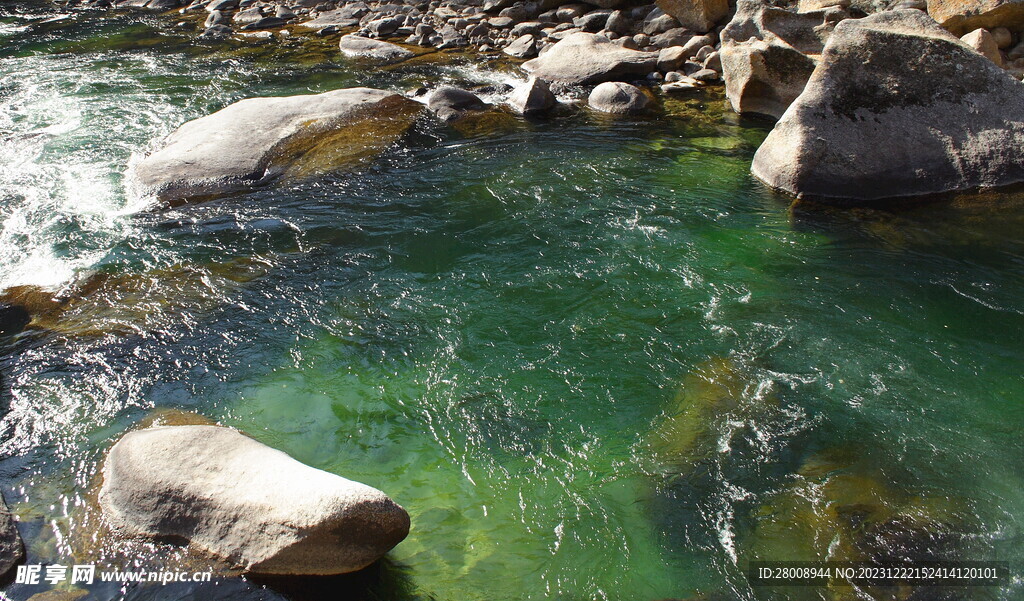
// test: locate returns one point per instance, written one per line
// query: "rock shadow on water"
(385, 580)
(985, 218)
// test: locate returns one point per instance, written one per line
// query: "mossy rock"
(71, 594)
(840, 507)
(106, 303)
(715, 390)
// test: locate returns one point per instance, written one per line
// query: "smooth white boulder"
(259, 140)
(617, 98)
(239, 499)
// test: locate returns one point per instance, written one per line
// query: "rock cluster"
(524, 29)
(778, 58)
(897, 107)
(769, 49)
(880, 105)
(768, 53)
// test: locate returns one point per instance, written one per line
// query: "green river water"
(592, 357)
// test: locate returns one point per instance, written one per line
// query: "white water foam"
(62, 205)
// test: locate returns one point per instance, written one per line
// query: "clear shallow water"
(591, 357)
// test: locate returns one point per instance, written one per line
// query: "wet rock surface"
(12, 551)
(450, 103)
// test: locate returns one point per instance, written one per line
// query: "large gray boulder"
(222, 5)
(12, 551)
(258, 140)
(241, 500)
(768, 53)
(587, 58)
(346, 16)
(897, 107)
(375, 50)
(524, 46)
(762, 20)
(247, 16)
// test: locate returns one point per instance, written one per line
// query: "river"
(592, 357)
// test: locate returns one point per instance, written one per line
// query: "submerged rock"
(587, 58)
(842, 507)
(714, 393)
(241, 500)
(617, 97)
(897, 107)
(385, 52)
(259, 140)
(12, 551)
(59, 595)
(104, 303)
